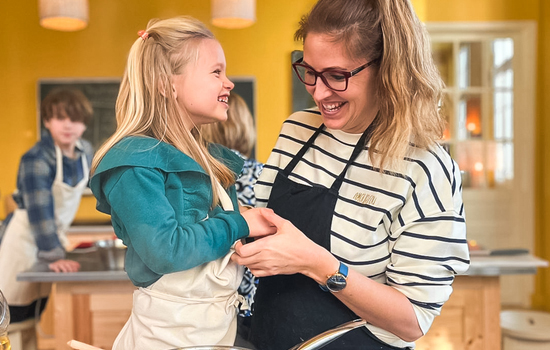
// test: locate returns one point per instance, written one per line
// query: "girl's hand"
(258, 225)
(64, 266)
(288, 251)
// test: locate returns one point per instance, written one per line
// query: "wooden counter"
(470, 319)
(92, 305)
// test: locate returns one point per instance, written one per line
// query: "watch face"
(336, 282)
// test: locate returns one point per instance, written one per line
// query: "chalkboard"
(301, 99)
(246, 87)
(103, 92)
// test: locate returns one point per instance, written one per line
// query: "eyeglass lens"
(333, 79)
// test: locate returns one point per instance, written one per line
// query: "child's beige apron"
(18, 251)
(186, 308)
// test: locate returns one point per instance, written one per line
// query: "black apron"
(289, 309)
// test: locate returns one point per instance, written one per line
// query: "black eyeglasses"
(334, 79)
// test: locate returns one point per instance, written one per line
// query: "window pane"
(503, 111)
(504, 165)
(503, 115)
(469, 118)
(443, 57)
(503, 53)
(504, 78)
(469, 58)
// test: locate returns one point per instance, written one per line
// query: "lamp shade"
(233, 14)
(64, 15)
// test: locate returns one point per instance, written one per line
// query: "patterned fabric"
(246, 181)
(245, 194)
(35, 178)
(404, 227)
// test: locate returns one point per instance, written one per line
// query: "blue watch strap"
(343, 269)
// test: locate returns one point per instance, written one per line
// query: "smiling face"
(202, 90)
(352, 110)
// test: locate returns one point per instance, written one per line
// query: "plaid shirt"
(35, 179)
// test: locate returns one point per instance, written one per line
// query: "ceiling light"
(233, 14)
(64, 15)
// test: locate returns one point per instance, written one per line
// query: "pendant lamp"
(233, 14)
(63, 15)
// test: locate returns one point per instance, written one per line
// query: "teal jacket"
(159, 200)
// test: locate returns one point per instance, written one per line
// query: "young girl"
(170, 194)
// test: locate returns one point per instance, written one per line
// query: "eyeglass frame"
(346, 74)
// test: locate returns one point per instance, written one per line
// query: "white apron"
(18, 251)
(186, 308)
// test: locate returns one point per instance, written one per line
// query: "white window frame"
(496, 219)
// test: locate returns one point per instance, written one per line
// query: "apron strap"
(225, 200)
(363, 141)
(58, 164)
(288, 169)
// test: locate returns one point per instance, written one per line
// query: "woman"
(374, 223)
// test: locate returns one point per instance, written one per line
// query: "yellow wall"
(541, 299)
(28, 53)
(480, 10)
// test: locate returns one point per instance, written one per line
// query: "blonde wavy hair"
(409, 85)
(145, 105)
(237, 132)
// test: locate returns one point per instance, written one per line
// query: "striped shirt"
(402, 227)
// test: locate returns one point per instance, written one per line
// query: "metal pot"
(316, 342)
(112, 254)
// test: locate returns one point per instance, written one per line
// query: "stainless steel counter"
(92, 268)
(504, 265)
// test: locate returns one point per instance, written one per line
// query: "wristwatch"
(337, 281)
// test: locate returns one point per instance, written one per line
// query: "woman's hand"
(287, 252)
(258, 225)
(64, 266)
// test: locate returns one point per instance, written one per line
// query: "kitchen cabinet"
(98, 302)
(90, 312)
(470, 319)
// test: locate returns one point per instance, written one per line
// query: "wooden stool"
(16, 332)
